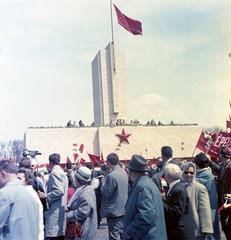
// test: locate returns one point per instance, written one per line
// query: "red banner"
(223, 139)
(228, 124)
(205, 141)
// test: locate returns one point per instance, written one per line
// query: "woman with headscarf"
(82, 205)
(199, 205)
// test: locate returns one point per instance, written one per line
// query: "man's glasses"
(188, 172)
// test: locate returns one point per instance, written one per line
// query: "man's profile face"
(2, 179)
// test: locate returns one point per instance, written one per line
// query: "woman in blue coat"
(205, 177)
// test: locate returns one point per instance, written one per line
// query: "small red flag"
(81, 148)
(68, 160)
(93, 158)
(82, 161)
(75, 155)
(133, 26)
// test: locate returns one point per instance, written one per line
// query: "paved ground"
(102, 232)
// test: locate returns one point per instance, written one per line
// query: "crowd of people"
(122, 122)
(129, 196)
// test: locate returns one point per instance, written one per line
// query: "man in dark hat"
(144, 215)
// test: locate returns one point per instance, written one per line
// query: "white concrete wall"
(145, 140)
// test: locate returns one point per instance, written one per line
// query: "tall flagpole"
(113, 44)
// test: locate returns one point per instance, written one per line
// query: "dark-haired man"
(114, 197)
(57, 187)
(18, 208)
(166, 155)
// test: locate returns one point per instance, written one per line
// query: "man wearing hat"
(144, 215)
(114, 197)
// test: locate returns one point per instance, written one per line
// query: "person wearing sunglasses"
(199, 204)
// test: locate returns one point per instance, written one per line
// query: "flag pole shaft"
(113, 44)
(194, 151)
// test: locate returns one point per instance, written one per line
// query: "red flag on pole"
(101, 158)
(205, 141)
(75, 155)
(133, 26)
(68, 160)
(93, 158)
(81, 148)
(82, 161)
(223, 139)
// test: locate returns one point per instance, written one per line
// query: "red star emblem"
(123, 136)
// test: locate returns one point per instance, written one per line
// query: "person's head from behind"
(201, 160)
(112, 159)
(97, 164)
(172, 172)
(159, 162)
(25, 163)
(54, 159)
(8, 171)
(166, 153)
(25, 175)
(89, 165)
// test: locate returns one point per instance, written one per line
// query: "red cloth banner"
(223, 139)
(75, 155)
(205, 141)
(228, 123)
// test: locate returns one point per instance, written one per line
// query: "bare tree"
(12, 149)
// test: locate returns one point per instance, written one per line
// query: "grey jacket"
(83, 203)
(57, 186)
(115, 193)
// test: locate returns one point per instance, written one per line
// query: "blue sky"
(178, 70)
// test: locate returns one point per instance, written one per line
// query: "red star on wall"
(123, 136)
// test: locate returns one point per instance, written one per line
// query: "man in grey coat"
(57, 185)
(114, 197)
(19, 218)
